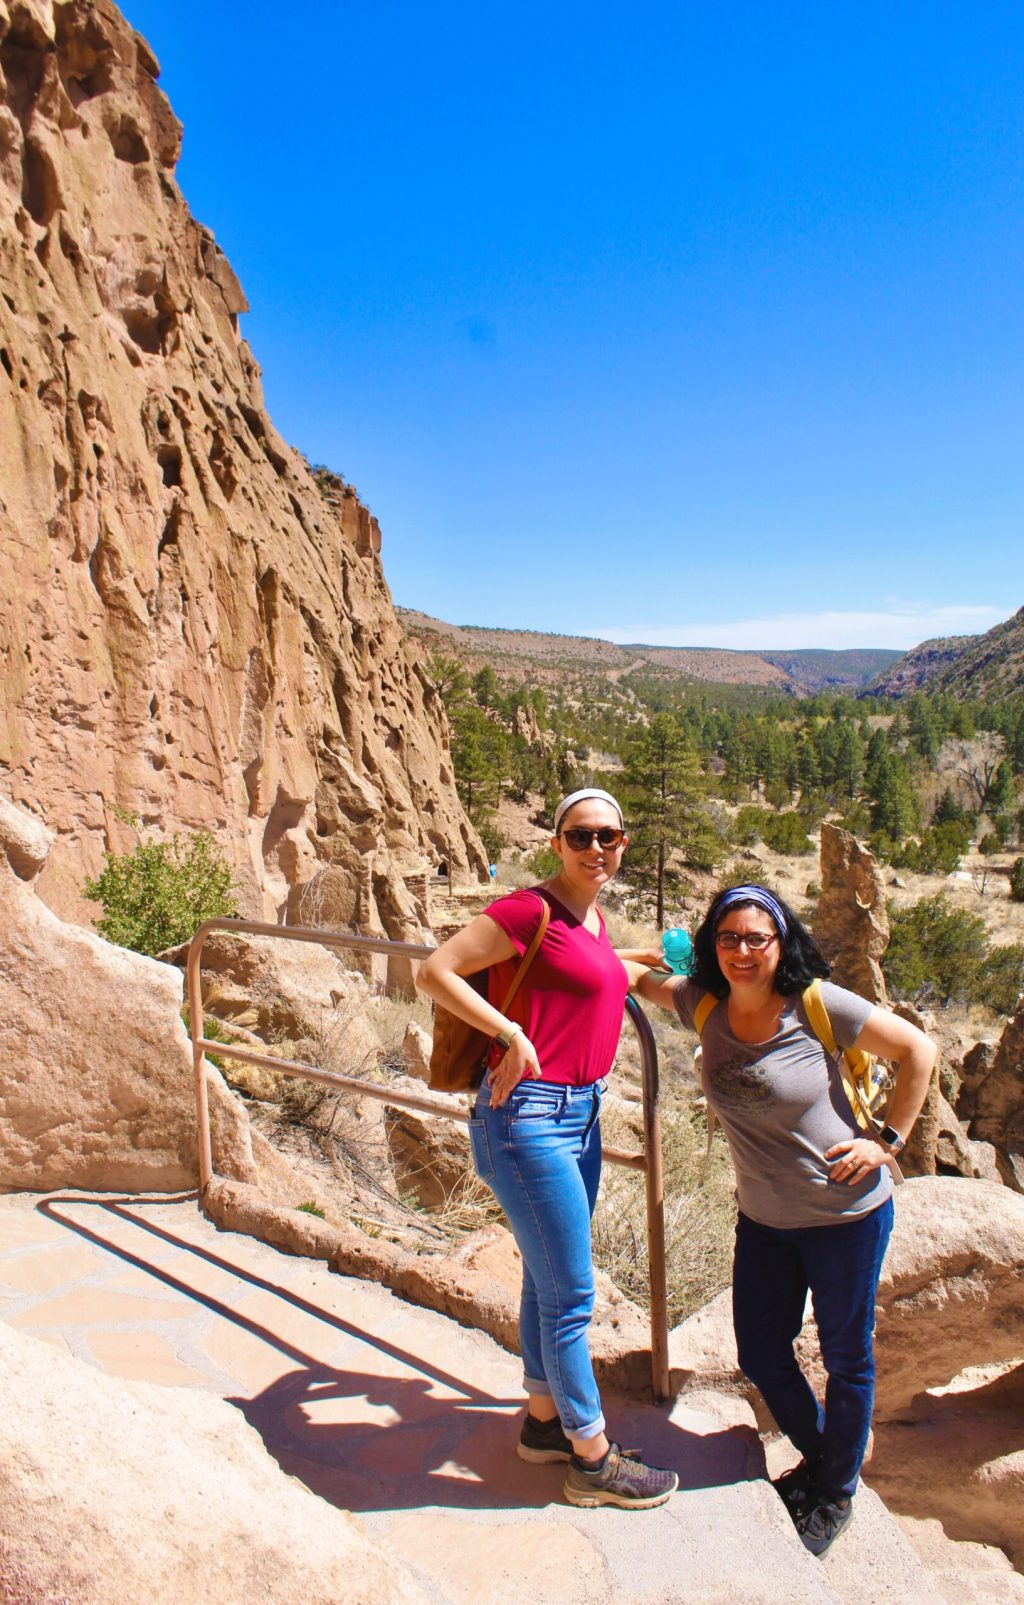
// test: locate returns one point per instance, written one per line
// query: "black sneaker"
(622, 1480)
(821, 1524)
(541, 1442)
(796, 1488)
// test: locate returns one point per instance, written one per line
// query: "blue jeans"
(772, 1273)
(540, 1154)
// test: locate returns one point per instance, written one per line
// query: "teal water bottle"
(677, 950)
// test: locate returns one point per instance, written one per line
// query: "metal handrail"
(442, 1104)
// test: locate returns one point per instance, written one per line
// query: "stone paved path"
(408, 1419)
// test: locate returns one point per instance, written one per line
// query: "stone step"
(410, 1420)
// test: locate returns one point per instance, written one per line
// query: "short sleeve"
(684, 996)
(518, 915)
(848, 1012)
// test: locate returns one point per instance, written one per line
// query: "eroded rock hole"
(5, 363)
(169, 458)
(40, 193)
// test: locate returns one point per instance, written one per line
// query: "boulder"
(99, 1088)
(961, 1459)
(160, 1496)
(416, 1049)
(952, 1288)
(992, 1098)
(430, 1157)
(951, 1296)
(851, 925)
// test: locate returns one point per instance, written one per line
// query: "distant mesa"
(790, 673)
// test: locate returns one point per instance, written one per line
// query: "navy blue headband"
(759, 897)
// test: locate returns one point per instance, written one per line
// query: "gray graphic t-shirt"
(781, 1103)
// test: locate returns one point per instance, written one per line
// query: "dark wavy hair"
(800, 958)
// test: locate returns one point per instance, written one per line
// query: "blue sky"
(680, 323)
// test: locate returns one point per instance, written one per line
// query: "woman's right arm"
(442, 977)
(648, 976)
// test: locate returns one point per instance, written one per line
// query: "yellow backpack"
(863, 1077)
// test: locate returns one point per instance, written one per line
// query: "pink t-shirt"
(570, 1004)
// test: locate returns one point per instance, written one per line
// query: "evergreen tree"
(662, 784)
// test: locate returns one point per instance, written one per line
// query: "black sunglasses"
(579, 838)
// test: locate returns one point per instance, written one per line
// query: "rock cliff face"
(989, 665)
(190, 625)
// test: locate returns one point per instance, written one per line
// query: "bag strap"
(821, 1025)
(705, 1004)
(530, 954)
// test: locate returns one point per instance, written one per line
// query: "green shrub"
(543, 863)
(1017, 882)
(785, 833)
(1002, 978)
(746, 827)
(935, 950)
(493, 839)
(155, 897)
(312, 1209)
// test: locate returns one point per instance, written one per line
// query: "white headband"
(575, 797)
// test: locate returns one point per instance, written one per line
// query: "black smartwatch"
(890, 1138)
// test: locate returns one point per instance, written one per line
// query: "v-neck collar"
(595, 936)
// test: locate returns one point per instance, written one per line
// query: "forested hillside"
(707, 772)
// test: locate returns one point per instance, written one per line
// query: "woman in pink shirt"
(535, 1131)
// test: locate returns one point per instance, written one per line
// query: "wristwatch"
(505, 1038)
(890, 1138)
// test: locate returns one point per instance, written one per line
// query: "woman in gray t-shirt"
(814, 1191)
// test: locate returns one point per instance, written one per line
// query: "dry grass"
(699, 1217)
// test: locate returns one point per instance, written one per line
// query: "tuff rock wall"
(190, 625)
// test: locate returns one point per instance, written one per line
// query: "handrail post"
(655, 1192)
(650, 1161)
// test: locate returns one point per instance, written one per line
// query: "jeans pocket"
(480, 1148)
(537, 1107)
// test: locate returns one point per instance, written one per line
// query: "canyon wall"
(193, 627)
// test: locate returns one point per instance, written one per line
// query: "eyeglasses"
(579, 838)
(754, 940)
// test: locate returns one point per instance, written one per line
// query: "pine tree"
(662, 783)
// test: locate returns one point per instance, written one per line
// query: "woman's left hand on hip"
(855, 1159)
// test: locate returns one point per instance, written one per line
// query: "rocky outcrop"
(852, 925)
(951, 1296)
(120, 1490)
(991, 1097)
(961, 1458)
(193, 626)
(98, 1087)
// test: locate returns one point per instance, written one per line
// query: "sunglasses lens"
(579, 839)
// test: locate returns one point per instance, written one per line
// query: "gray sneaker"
(623, 1480)
(821, 1524)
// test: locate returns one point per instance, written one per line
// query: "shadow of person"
(370, 1442)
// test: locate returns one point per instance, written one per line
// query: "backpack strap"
(817, 1015)
(821, 1025)
(530, 954)
(705, 1003)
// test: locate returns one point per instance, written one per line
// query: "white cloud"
(899, 627)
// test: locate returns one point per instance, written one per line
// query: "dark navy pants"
(773, 1271)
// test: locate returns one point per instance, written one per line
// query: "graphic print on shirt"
(738, 1083)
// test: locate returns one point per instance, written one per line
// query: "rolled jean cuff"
(536, 1385)
(593, 1431)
